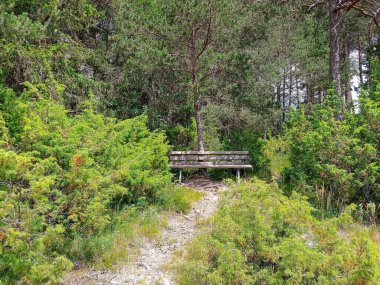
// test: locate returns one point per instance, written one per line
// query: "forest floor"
(150, 264)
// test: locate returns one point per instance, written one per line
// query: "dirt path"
(148, 267)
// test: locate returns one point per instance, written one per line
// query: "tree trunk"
(309, 90)
(278, 94)
(334, 46)
(198, 120)
(360, 61)
(290, 88)
(298, 93)
(347, 89)
(278, 101)
(195, 88)
(283, 96)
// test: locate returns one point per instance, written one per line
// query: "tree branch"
(347, 5)
(311, 6)
(207, 38)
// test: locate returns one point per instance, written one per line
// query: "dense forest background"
(93, 95)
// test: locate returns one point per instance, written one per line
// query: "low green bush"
(178, 198)
(66, 180)
(116, 243)
(334, 162)
(260, 236)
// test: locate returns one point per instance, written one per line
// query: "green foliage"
(65, 178)
(250, 141)
(72, 168)
(116, 244)
(132, 56)
(13, 111)
(277, 152)
(260, 236)
(41, 42)
(331, 161)
(3, 131)
(179, 199)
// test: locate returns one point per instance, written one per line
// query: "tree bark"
(195, 88)
(278, 101)
(278, 94)
(334, 46)
(198, 120)
(298, 93)
(290, 87)
(309, 90)
(347, 89)
(283, 96)
(360, 61)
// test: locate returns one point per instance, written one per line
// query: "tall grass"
(119, 240)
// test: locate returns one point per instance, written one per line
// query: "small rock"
(144, 265)
(165, 281)
(188, 218)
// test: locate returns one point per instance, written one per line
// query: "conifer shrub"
(333, 161)
(260, 236)
(69, 178)
(329, 163)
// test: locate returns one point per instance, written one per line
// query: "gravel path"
(148, 267)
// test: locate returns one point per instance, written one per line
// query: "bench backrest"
(210, 159)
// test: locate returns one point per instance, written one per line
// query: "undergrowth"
(115, 244)
(119, 241)
(178, 198)
(76, 189)
(260, 236)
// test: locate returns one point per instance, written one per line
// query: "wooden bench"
(210, 159)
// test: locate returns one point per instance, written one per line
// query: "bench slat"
(211, 165)
(209, 157)
(192, 152)
(234, 162)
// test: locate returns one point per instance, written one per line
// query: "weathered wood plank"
(192, 152)
(235, 162)
(211, 165)
(209, 157)
(184, 157)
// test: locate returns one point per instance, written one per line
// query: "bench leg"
(238, 175)
(180, 176)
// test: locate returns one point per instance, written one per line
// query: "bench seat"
(210, 165)
(210, 159)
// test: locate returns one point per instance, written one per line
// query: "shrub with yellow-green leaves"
(260, 236)
(334, 161)
(64, 178)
